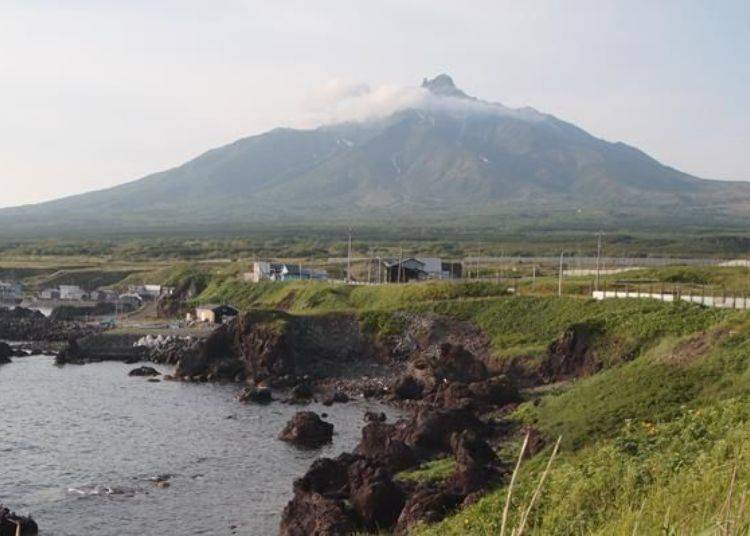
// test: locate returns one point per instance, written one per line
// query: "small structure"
(10, 291)
(403, 271)
(215, 314)
(129, 301)
(276, 271)
(150, 292)
(72, 292)
(103, 296)
(49, 294)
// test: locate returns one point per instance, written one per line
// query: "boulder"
(5, 353)
(475, 463)
(328, 477)
(372, 416)
(382, 442)
(407, 387)
(429, 503)
(431, 429)
(310, 513)
(301, 393)
(373, 495)
(306, 429)
(259, 395)
(144, 371)
(496, 391)
(10, 523)
(335, 396)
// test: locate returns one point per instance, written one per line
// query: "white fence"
(721, 302)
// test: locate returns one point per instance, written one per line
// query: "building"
(129, 301)
(10, 291)
(150, 292)
(72, 292)
(403, 271)
(419, 268)
(49, 294)
(275, 271)
(103, 296)
(215, 314)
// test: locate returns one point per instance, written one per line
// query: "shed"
(215, 314)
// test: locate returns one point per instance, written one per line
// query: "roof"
(216, 308)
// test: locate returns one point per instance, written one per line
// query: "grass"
(649, 447)
(430, 471)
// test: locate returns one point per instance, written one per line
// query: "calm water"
(79, 444)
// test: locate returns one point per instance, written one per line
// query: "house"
(274, 271)
(403, 271)
(149, 292)
(215, 314)
(129, 301)
(103, 296)
(72, 292)
(10, 291)
(49, 294)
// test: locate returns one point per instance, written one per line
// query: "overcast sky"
(96, 93)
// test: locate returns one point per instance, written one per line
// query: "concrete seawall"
(720, 302)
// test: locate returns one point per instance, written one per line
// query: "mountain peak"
(444, 86)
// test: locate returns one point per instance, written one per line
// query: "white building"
(72, 292)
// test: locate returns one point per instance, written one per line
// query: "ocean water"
(79, 446)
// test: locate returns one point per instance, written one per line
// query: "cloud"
(340, 101)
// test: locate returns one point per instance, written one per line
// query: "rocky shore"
(437, 368)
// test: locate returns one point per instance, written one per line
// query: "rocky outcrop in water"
(306, 429)
(12, 524)
(258, 395)
(6, 352)
(144, 371)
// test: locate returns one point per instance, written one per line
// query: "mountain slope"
(449, 152)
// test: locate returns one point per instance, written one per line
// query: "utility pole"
(349, 258)
(379, 265)
(560, 278)
(598, 256)
(533, 275)
(400, 264)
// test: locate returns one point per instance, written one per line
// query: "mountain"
(447, 154)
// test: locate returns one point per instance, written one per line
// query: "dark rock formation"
(20, 324)
(475, 464)
(11, 522)
(430, 430)
(102, 347)
(374, 496)
(144, 371)
(383, 442)
(407, 387)
(301, 393)
(215, 358)
(306, 429)
(259, 395)
(429, 503)
(313, 514)
(335, 396)
(6, 351)
(372, 416)
(570, 356)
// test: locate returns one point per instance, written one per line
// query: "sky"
(97, 93)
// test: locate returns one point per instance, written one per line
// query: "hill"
(446, 154)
